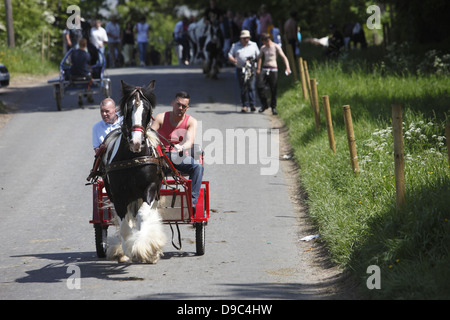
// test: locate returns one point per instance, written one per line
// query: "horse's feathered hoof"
(123, 259)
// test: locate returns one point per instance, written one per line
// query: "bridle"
(138, 95)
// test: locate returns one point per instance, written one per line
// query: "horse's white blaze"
(136, 119)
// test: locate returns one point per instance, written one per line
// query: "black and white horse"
(133, 179)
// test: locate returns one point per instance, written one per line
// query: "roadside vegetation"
(26, 61)
(356, 215)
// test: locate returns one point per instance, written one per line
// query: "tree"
(9, 23)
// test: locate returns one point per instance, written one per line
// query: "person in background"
(142, 31)
(180, 34)
(113, 33)
(80, 59)
(73, 35)
(267, 71)
(240, 52)
(128, 44)
(290, 30)
(265, 20)
(299, 40)
(99, 36)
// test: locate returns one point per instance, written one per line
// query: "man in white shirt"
(113, 33)
(239, 53)
(110, 121)
(99, 36)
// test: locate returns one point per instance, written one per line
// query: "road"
(252, 238)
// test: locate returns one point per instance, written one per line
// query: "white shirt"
(101, 129)
(114, 30)
(141, 30)
(241, 53)
(98, 37)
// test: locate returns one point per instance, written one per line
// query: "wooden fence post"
(326, 108)
(447, 136)
(308, 83)
(42, 45)
(351, 139)
(303, 78)
(48, 45)
(315, 103)
(397, 127)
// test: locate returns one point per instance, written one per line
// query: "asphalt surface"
(252, 237)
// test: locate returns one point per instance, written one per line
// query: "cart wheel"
(101, 235)
(200, 238)
(58, 97)
(80, 100)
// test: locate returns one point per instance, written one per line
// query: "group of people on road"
(255, 57)
(120, 43)
(247, 56)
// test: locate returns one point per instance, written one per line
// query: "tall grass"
(357, 215)
(19, 60)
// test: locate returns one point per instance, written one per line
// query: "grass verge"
(23, 61)
(357, 215)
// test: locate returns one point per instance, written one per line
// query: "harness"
(137, 93)
(156, 159)
(159, 158)
(135, 162)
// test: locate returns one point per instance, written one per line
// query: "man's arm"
(259, 63)
(285, 59)
(188, 142)
(157, 123)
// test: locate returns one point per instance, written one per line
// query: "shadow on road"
(169, 79)
(58, 271)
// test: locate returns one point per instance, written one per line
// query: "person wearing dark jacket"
(81, 60)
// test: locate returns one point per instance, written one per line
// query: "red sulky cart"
(174, 205)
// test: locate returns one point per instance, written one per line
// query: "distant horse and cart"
(65, 84)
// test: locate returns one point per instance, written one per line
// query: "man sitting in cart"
(81, 59)
(110, 121)
(179, 128)
(81, 69)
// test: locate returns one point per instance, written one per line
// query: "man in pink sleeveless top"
(180, 128)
